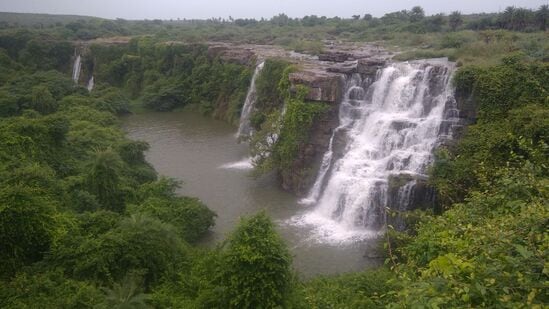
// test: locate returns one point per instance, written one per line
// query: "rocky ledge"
(324, 76)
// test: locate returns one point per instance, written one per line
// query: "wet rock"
(408, 192)
(343, 68)
(369, 66)
(303, 174)
(323, 87)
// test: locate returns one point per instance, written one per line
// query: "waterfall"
(76, 68)
(245, 128)
(91, 84)
(388, 128)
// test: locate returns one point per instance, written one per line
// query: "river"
(199, 151)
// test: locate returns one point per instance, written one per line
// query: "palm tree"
(542, 17)
(103, 179)
(125, 296)
(506, 18)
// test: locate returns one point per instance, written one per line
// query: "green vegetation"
(283, 119)
(257, 266)
(164, 76)
(295, 130)
(474, 38)
(86, 223)
(489, 247)
(80, 207)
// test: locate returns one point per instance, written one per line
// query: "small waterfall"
(245, 128)
(91, 84)
(388, 128)
(77, 68)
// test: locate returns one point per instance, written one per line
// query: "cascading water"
(76, 69)
(91, 84)
(388, 128)
(245, 128)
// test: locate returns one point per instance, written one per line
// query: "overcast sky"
(201, 9)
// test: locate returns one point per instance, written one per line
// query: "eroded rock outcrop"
(323, 86)
(302, 175)
(242, 56)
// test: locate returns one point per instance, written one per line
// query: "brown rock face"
(369, 66)
(422, 196)
(303, 174)
(335, 56)
(323, 87)
(242, 56)
(324, 78)
(343, 68)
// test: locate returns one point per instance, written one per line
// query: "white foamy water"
(387, 128)
(76, 69)
(245, 129)
(91, 84)
(244, 164)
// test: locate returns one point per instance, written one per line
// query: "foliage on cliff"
(165, 76)
(512, 128)
(158, 75)
(283, 119)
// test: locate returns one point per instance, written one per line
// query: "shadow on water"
(203, 153)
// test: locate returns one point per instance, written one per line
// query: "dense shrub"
(255, 268)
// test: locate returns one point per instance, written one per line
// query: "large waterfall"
(245, 128)
(77, 68)
(388, 127)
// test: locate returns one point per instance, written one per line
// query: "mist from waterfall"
(245, 129)
(388, 127)
(76, 69)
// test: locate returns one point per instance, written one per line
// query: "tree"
(29, 224)
(189, 215)
(136, 245)
(356, 17)
(103, 179)
(367, 17)
(280, 20)
(125, 295)
(455, 20)
(521, 19)
(514, 18)
(42, 100)
(417, 14)
(49, 289)
(256, 265)
(435, 22)
(542, 17)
